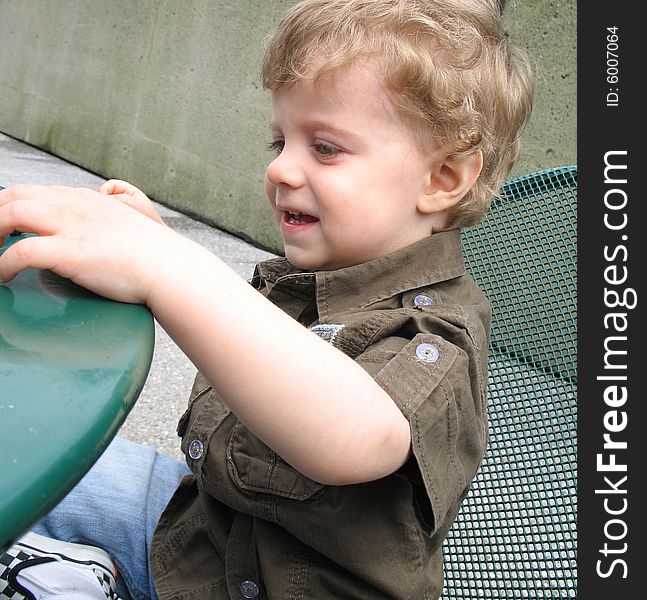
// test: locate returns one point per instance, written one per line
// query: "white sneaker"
(40, 568)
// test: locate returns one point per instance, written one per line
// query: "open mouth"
(298, 218)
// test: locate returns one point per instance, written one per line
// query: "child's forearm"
(313, 405)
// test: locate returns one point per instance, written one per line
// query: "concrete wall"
(548, 29)
(166, 94)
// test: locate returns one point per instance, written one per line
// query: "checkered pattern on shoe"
(22, 556)
(9, 587)
(107, 584)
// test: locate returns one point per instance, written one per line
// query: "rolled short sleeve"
(429, 380)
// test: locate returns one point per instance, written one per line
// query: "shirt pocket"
(254, 467)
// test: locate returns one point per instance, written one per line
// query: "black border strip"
(611, 274)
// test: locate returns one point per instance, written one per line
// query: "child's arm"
(308, 401)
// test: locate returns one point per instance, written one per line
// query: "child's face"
(348, 174)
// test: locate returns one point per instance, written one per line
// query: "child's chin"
(305, 263)
(301, 264)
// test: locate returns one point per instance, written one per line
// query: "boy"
(328, 465)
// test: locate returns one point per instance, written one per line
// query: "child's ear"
(449, 181)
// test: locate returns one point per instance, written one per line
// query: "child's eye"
(276, 146)
(326, 150)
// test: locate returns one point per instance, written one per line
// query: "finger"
(117, 186)
(112, 186)
(18, 192)
(35, 252)
(50, 194)
(29, 216)
(132, 196)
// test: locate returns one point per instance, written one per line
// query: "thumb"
(117, 186)
(130, 195)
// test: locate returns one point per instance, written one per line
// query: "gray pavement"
(154, 417)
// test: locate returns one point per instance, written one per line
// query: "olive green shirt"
(248, 525)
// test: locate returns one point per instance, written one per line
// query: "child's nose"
(285, 170)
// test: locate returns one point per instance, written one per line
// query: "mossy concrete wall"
(548, 29)
(166, 94)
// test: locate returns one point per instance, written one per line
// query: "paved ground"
(164, 397)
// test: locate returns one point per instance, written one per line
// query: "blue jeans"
(116, 506)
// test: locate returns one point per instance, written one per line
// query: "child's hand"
(130, 195)
(112, 244)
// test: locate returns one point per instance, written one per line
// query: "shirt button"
(427, 353)
(248, 589)
(423, 300)
(196, 449)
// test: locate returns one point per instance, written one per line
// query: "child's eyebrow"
(324, 126)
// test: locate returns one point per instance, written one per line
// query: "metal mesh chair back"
(515, 536)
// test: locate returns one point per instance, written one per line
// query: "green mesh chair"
(515, 536)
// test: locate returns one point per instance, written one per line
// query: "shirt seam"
(465, 323)
(450, 447)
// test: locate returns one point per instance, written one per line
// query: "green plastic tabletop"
(72, 365)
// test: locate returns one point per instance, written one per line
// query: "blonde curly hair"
(447, 66)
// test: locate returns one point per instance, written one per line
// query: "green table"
(71, 367)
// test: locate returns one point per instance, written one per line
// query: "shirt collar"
(436, 258)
